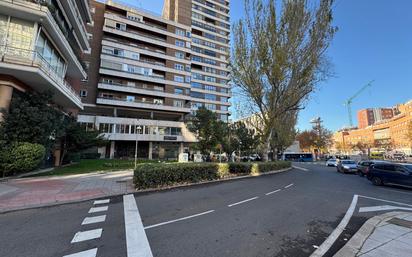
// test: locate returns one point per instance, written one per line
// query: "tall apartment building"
(370, 116)
(147, 75)
(210, 34)
(41, 42)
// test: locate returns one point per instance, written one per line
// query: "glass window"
(180, 43)
(20, 34)
(179, 78)
(180, 55)
(178, 103)
(130, 98)
(210, 97)
(179, 66)
(178, 91)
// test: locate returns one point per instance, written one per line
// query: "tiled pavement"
(390, 239)
(42, 191)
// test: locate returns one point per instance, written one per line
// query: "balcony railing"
(131, 86)
(139, 74)
(31, 58)
(116, 98)
(135, 45)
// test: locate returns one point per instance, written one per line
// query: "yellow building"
(391, 134)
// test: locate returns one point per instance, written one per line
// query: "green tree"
(208, 129)
(241, 138)
(32, 119)
(279, 57)
(75, 138)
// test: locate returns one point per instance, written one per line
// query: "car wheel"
(377, 181)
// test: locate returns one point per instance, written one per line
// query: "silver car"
(331, 163)
(347, 166)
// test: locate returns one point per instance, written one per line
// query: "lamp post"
(137, 131)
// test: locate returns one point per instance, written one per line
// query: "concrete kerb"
(212, 181)
(354, 245)
(133, 191)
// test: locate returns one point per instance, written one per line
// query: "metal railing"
(129, 85)
(20, 56)
(117, 98)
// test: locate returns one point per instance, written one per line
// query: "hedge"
(21, 157)
(150, 175)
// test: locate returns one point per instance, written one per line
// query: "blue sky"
(374, 41)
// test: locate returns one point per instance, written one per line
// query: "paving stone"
(369, 245)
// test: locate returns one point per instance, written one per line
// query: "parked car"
(391, 174)
(347, 166)
(331, 163)
(363, 166)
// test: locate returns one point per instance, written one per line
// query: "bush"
(21, 157)
(151, 175)
(73, 157)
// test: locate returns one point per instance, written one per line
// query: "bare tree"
(278, 61)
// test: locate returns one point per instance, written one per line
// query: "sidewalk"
(387, 235)
(24, 193)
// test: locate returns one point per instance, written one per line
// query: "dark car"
(347, 166)
(391, 174)
(363, 166)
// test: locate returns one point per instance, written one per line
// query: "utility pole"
(317, 126)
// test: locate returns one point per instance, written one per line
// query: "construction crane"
(348, 102)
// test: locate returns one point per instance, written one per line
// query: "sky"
(374, 42)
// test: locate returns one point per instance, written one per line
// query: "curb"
(354, 245)
(212, 181)
(139, 191)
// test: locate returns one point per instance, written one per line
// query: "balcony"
(32, 69)
(31, 11)
(76, 20)
(118, 101)
(140, 90)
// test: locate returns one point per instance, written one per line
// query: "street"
(286, 214)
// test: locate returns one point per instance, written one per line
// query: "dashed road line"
(87, 235)
(92, 220)
(289, 185)
(98, 209)
(327, 244)
(273, 192)
(300, 168)
(88, 253)
(383, 200)
(180, 219)
(101, 201)
(136, 240)
(244, 201)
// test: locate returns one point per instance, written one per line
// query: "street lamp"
(137, 131)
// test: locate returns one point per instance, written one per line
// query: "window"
(106, 128)
(179, 79)
(180, 43)
(210, 88)
(197, 85)
(121, 26)
(83, 93)
(179, 66)
(178, 91)
(180, 32)
(223, 99)
(178, 103)
(188, 79)
(224, 108)
(180, 55)
(130, 98)
(211, 107)
(210, 97)
(224, 117)
(210, 79)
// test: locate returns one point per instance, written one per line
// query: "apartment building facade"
(387, 134)
(370, 116)
(140, 84)
(41, 43)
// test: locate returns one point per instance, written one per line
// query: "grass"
(88, 166)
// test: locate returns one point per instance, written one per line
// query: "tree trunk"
(266, 148)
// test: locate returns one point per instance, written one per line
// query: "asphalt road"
(286, 214)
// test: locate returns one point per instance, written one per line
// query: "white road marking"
(325, 246)
(176, 220)
(88, 253)
(101, 201)
(244, 201)
(383, 200)
(96, 219)
(98, 209)
(273, 192)
(300, 168)
(136, 241)
(87, 235)
(289, 185)
(383, 208)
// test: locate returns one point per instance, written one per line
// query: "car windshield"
(348, 162)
